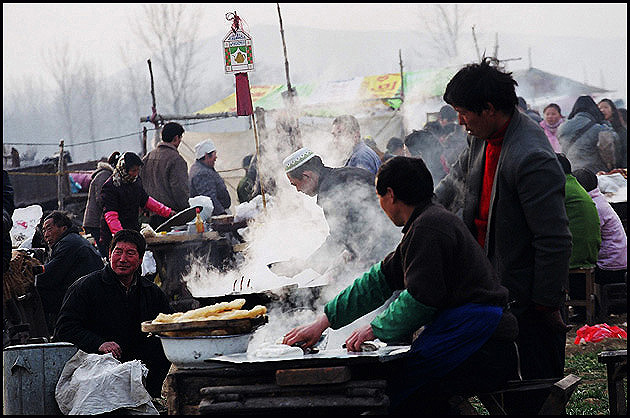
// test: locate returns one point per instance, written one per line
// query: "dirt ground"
(604, 345)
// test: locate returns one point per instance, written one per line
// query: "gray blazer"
(527, 239)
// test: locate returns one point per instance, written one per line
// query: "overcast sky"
(98, 29)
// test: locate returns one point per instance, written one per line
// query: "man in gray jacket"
(205, 181)
(513, 203)
(165, 173)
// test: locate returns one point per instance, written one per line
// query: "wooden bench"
(589, 301)
(616, 370)
(560, 391)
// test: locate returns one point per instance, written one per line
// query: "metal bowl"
(190, 352)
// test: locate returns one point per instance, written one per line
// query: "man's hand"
(111, 347)
(309, 334)
(358, 337)
(552, 318)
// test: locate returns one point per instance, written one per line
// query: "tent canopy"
(382, 91)
(318, 97)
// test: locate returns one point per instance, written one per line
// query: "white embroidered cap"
(203, 148)
(296, 159)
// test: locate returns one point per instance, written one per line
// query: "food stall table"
(330, 381)
(174, 254)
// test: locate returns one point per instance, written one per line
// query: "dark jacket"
(97, 310)
(355, 220)
(127, 200)
(527, 239)
(94, 207)
(206, 181)
(71, 257)
(165, 176)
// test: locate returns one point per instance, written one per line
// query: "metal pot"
(190, 352)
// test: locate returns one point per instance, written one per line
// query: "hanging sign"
(237, 51)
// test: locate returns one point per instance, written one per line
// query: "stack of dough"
(218, 311)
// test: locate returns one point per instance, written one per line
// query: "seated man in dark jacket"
(102, 311)
(71, 257)
(447, 286)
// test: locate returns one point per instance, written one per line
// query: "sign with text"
(238, 52)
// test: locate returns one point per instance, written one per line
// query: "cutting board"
(232, 326)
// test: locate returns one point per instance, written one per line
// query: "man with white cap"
(205, 181)
(358, 228)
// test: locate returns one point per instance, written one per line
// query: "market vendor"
(448, 287)
(359, 232)
(102, 312)
(123, 195)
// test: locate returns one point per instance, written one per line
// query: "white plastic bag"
(25, 221)
(206, 203)
(98, 383)
(148, 263)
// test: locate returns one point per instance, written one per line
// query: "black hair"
(554, 105)
(419, 140)
(623, 114)
(586, 104)
(521, 102)
(586, 178)
(132, 237)
(434, 127)
(615, 119)
(564, 162)
(408, 177)
(314, 164)
(171, 130)
(476, 85)
(448, 113)
(59, 218)
(394, 143)
(131, 159)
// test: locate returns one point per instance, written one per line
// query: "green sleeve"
(365, 294)
(402, 318)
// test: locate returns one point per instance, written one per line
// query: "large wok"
(286, 298)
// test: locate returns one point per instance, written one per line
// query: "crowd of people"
(496, 204)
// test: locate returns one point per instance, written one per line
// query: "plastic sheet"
(98, 383)
(599, 332)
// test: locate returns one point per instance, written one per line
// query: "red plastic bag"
(597, 333)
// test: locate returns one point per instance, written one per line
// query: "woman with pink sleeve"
(550, 123)
(123, 197)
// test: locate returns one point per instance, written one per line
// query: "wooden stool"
(616, 370)
(589, 301)
(560, 391)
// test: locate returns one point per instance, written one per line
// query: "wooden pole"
(144, 141)
(260, 180)
(402, 92)
(286, 59)
(60, 171)
(154, 108)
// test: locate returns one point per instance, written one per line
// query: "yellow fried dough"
(166, 318)
(241, 314)
(200, 314)
(218, 311)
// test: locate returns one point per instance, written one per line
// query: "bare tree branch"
(170, 33)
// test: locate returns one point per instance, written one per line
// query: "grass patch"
(591, 395)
